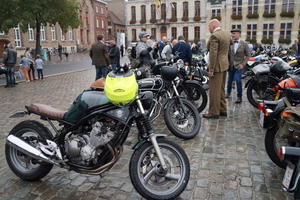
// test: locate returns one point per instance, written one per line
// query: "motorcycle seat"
(45, 110)
(293, 95)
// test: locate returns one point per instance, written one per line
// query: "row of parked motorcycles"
(273, 86)
(88, 138)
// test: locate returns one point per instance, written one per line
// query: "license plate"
(261, 118)
(288, 176)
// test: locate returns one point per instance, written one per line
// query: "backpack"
(135, 62)
(289, 123)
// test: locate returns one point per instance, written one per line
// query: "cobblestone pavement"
(227, 157)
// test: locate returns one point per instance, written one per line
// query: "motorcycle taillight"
(261, 106)
(280, 153)
(275, 88)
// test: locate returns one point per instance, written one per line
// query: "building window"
(216, 12)
(134, 35)
(268, 30)
(43, 35)
(143, 12)
(153, 31)
(285, 30)
(174, 32)
(97, 22)
(30, 33)
(102, 23)
(185, 32)
(81, 35)
(237, 7)
(251, 31)
(252, 6)
(236, 26)
(87, 19)
(102, 10)
(153, 11)
(197, 8)
(133, 14)
(62, 35)
(185, 9)
(163, 11)
(197, 32)
(97, 8)
(17, 36)
(88, 36)
(270, 6)
(174, 10)
(70, 34)
(143, 29)
(53, 36)
(288, 5)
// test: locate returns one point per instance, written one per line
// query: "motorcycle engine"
(86, 147)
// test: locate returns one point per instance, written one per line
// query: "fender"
(274, 118)
(252, 79)
(142, 141)
(249, 81)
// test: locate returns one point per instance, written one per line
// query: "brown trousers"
(217, 102)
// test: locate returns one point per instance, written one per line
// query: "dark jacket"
(185, 52)
(99, 54)
(10, 57)
(114, 54)
(143, 51)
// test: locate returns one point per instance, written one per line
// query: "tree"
(36, 13)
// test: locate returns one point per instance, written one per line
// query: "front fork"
(152, 136)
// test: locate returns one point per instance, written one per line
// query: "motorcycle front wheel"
(23, 166)
(272, 144)
(184, 125)
(256, 93)
(195, 94)
(146, 176)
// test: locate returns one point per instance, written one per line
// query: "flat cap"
(180, 37)
(236, 30)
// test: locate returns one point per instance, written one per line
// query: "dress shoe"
(223, 114)
(239, 100)
(6, 86)
(227, 96)
(210, 116)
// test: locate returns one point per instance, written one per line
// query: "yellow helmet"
(121, 88)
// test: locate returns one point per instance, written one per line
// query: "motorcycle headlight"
(180, 63)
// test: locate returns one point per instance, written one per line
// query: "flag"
(158, 4)
(172, 5)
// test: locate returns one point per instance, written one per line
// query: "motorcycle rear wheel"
(272, 143)
(145, 174)
(195, 94)
(256, 94)
(22, 165)
(184, 127)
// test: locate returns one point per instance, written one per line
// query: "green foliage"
(285, 40)
(37, 12)
(267, 40)
(251, 40)
(196, 40)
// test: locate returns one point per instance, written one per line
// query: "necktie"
(236, 41)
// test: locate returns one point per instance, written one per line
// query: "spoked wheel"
(23, 166)
(148, 178)
(256, 92)
(195, 94)
(272, 144)
(185, 125)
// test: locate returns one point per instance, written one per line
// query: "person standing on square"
(39, 67)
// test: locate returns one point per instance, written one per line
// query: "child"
(39, 66)
(25, 62)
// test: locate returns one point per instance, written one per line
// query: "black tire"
(272, 143)
(195, 94)
(22, 165)
(255, 93)
(145, 161)
(184, 127)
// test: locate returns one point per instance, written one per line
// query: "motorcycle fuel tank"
(85, 101)
(147, 84)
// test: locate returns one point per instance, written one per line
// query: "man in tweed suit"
(100, 58)
(218, 46)
(240, 54)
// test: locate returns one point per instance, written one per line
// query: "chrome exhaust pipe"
(27, 149)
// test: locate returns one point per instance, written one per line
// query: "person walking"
(31, 69)
(59, 48)
(9, 60)
(100, 58)
(39, 67)
(218, 47)
(122, 50)
(184, 50)
(295, 46)
(239, 53)
(143, 51)
(114, 54)
(161, 44)
(25, 62)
